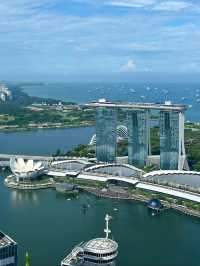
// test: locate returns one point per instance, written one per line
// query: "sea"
(48, 224)
(181, 93)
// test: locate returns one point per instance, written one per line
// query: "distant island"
(20, 111)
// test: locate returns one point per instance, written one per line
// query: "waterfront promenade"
(139, 197)
(143, 184)
(138, 178)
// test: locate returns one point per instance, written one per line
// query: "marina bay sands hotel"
(138, 120)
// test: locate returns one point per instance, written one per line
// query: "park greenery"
(79, 151)
(24, 112)
(24, 117)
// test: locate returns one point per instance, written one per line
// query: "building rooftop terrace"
(167, 106)
(5, 240)
(101, 245)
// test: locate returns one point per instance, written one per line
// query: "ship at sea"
(98, 251)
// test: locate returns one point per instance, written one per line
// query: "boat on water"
(98, 251)
(66, 188)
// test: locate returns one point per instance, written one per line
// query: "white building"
(26, 170)
(5, 93)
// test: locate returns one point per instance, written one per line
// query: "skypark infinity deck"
(138, 122)
(167, 106)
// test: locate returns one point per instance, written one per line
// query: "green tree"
(27, 259)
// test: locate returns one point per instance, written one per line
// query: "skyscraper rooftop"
(5, 240)
(167, 106)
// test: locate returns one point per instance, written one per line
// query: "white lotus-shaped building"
(26, 169)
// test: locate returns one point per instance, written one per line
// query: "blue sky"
(97, 39)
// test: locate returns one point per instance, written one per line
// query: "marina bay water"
(186, 93)
(49, 225)
(44, 141)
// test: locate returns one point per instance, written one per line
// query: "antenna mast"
(107, 230)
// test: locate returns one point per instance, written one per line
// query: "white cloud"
(145, 47)
(130, 66)
(173, 6)
(148, 69)
(29, 33)
(157, 5)
(132, 3)
(190, 67)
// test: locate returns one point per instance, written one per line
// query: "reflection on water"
(19, 197)
(49, 225)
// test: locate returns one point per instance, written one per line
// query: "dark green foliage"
(155, 141)
(79, 151)
(122, 148)
(193, 148)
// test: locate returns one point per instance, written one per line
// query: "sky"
(99, 39)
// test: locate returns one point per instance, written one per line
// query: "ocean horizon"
(180, 93)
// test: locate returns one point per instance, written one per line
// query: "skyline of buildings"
(138, 121)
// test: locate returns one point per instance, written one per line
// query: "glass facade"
(169, 140)
(8, 251)
(116, 170)
(138, 125)
(106, 136)
(138, 137)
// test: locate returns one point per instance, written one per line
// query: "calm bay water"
(49, 226)
(44, 141)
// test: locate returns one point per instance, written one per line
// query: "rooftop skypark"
(138, 122)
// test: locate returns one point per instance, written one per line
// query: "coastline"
(39, 127)
(141, 198)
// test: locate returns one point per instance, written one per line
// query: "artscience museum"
(26, 169)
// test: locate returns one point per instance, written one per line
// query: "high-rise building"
(172, 150)
(169, 140)
(138, 137)
(8, 251)
(106, 137)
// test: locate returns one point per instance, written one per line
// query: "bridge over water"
(170, 191)
(144, 185)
